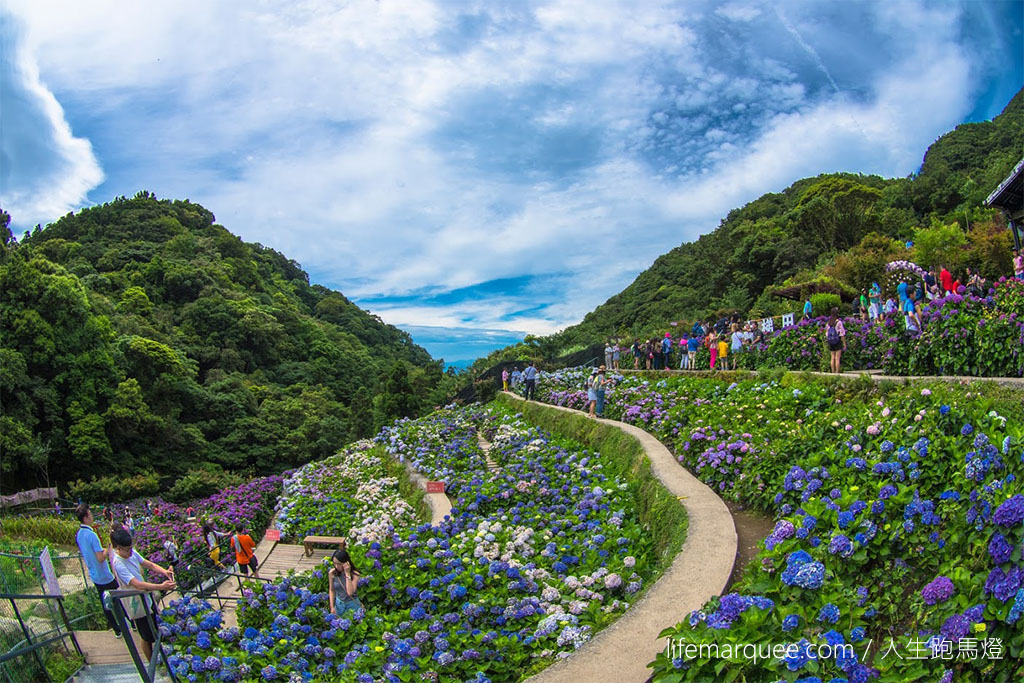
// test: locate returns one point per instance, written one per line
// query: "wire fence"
(28, 617)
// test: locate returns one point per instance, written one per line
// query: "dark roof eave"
(1015, 175)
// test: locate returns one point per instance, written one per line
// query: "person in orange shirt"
(245, 552)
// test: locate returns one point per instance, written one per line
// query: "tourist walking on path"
(608, 351)
(343, 582)
(530, 380)
(245, 552)
(807, 309)
(602, 385)
(946, 278)
(1018, 264)
(128, 566)
(736, 344)
(516, 376)
(835, 335)
(684, 354)
(666, 350)
(637, 351)
(96, 558)
(616, 351)
(691, 349)
(711, 341)
(212, 538)
(504, 379)
(901, 291)
(723, 350)
(875, 297)
(592, 392)
(911, 318)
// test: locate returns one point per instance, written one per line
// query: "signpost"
(273, 535)
(49, 575)
(435, 487)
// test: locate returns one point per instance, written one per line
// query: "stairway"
(113, 673)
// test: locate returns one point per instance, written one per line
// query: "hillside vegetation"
(140, 336)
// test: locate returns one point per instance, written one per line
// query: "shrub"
(822, 304)
(201, 482)
(115, 488)
(47, 529)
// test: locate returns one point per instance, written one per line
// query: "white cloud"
(45, 170)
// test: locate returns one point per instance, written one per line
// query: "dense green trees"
(140, 336)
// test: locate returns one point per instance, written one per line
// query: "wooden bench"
(308, 541)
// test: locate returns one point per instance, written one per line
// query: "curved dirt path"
(701, 570)
(440, 504)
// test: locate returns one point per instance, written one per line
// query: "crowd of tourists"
(730, 336)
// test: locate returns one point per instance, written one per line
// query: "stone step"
(114, 673)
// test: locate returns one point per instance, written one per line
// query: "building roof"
(1010, 193)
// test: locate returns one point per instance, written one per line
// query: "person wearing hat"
(592, 392)
(666, 350)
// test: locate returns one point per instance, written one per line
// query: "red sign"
(435, 487)
(273, 535)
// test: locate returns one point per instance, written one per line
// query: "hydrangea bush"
(899, 524)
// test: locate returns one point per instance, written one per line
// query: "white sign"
(767, 325)
(787, 319)
(49, 575)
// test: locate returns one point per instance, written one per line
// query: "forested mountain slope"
(139, 335)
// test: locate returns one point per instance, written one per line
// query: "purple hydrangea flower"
(1000, 549)
(1011, 512)
(939, 590)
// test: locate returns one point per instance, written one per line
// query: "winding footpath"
(700, 571)
(440, 504)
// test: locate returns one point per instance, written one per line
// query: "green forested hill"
(838, 226)
(140, 336)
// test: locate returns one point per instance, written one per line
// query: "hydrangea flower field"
(251, 504)
(535, 557)
(350, 491)
(963, 334)
(899, 533)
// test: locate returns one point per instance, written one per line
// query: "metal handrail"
(146, 671)
(216, 587)
(34, 647)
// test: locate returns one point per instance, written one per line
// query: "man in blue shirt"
(807, 310)
(96, 559)
(530, 380)
(901, 289)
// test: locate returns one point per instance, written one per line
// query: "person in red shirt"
(245, 552)
(946, 279)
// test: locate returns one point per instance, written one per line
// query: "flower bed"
(900, 515)
(534, 558)
(354, 493)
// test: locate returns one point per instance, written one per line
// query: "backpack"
(832, 334)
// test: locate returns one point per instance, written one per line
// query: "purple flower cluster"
(939, 590)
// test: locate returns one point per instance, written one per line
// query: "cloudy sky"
(475, 170)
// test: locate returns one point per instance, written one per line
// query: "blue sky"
(475, 171)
